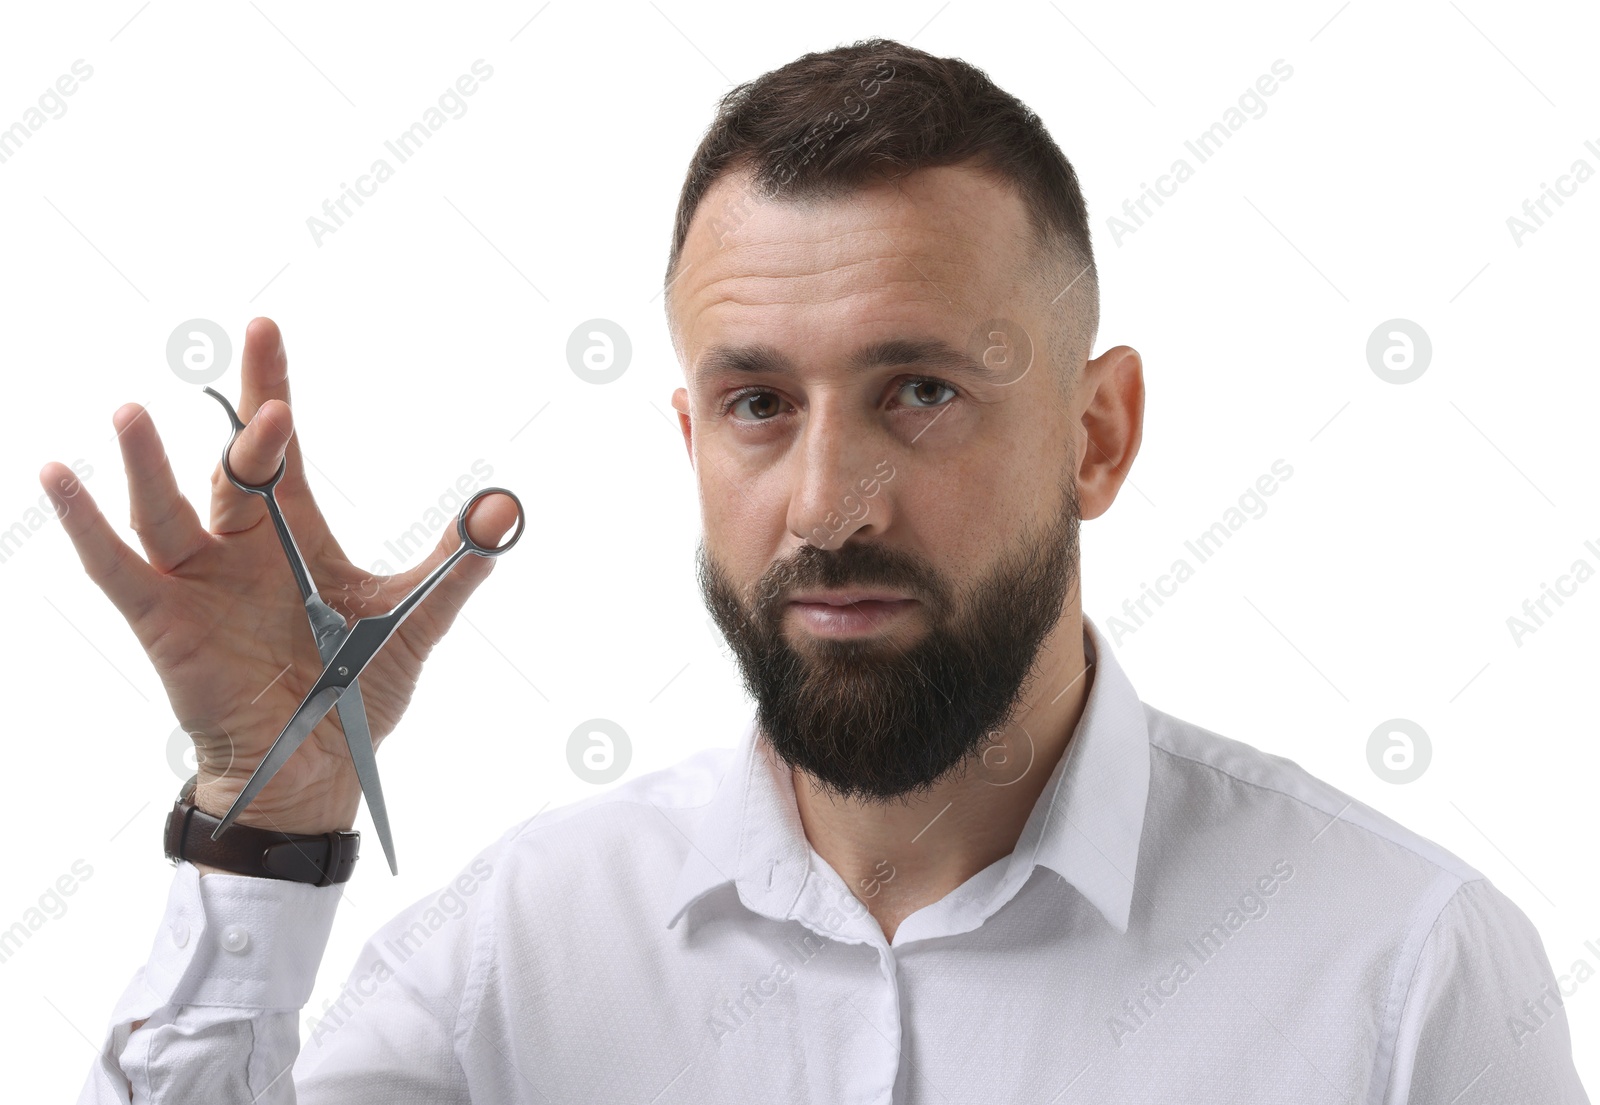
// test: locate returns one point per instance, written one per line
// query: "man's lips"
(847, 598)
(848, 613)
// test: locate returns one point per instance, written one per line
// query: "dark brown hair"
(828, 123)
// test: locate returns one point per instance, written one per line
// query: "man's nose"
(836, 490)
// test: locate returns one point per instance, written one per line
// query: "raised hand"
(218, 613)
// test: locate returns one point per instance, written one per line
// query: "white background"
(429, 330)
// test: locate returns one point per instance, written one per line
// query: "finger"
(266, 367)
(254, 458)
(167, 525)
(116, 569)
(266, 379)
(265, 376)
(489, 523)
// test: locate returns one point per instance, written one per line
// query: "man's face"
(927, 507)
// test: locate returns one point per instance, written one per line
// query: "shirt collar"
(1085, 826)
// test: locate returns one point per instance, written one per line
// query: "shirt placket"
(868, 1074)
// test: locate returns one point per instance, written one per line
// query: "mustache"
(858, 565)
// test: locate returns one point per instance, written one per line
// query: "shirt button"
(180, 933)
(235, 939)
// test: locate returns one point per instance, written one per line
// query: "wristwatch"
(317, 858)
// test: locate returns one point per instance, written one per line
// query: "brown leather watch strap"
(317, 858)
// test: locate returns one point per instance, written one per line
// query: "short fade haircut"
(828, 123)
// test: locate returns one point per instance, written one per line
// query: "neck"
(901, 856)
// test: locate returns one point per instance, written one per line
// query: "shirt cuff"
(240, 942)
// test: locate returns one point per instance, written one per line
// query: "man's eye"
(764, 404)
(922, 392)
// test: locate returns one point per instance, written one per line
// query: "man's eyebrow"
(930, 354)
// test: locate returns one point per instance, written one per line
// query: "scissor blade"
(330, 630)
(305, 719)
(353, 717)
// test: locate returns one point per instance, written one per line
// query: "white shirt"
(1184, 919)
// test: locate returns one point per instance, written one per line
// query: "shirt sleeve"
(233, 960)
(1484, 1011)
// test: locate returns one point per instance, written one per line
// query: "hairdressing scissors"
(345, 649)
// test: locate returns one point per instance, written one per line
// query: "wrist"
(320, 857)
(311, 815)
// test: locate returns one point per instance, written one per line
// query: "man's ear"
(1113, 426)
(680, 403)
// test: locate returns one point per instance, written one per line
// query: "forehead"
(931, 251)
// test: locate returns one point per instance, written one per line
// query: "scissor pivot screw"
(344, 671)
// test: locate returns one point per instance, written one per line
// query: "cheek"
(955, 525)
(743, 515)
(970, 505)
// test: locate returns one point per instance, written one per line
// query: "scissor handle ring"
(482, 550)
(238, 427)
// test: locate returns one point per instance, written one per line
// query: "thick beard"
(864, 718)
